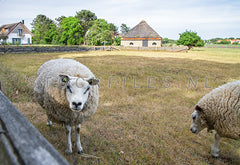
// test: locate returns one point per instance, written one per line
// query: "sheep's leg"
(68, 132)
(215, 150)
(49, 122)
(79, 147)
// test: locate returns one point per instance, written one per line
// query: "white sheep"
(69, 92)
(219, 110)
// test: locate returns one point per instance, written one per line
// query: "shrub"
(200, 43)
(190, 39)
(224, 42)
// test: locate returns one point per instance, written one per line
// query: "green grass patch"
(146, 101)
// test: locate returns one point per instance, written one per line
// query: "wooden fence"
(20, 142)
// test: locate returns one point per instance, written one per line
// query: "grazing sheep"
(69, 92)
(219, 110)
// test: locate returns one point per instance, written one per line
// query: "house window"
(154, 43)
(16, 41)
(20, 32)
(131, 43)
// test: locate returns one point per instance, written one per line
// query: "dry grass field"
(146, 102)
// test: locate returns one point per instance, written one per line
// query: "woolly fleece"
(50, 93)
(221, 110)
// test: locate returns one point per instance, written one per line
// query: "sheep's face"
(77, 90)
(198, 121)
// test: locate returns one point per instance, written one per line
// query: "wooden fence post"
(20, 141)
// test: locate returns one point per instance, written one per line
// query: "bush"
(190, 39)
(224, 42)
(200, 43)
(117, 41)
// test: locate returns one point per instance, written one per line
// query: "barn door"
(145, 43)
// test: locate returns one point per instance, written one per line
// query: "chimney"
(22, 21)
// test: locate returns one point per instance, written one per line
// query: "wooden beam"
(20, 142)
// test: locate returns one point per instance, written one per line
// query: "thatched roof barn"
(142, 35)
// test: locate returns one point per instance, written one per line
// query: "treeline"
(83, 28)
(168, 41)
(224, 41)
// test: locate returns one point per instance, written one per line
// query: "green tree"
(113, 28)
(165, 41)
(124, 28)
(224, 42)
(215, 40)
(3, 38)
(190, 39)
(117, 41)
(40, 25)
(168, 41)
(86, 18)
(99, 33)
(52, 36)
(59, 20)
(72, 31)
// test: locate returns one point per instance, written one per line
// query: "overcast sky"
(209, 18)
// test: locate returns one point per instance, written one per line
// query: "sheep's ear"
(93, 81)
(64, 78)
(198, 108)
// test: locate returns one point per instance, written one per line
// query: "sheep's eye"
(68, 87)
(194, 117)
(87, 90)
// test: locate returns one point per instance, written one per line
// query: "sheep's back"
(222, 109)
(64, 66)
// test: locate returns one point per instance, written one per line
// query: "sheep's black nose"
(76, 104)
(193, 130)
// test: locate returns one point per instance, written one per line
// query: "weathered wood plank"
(21, 141)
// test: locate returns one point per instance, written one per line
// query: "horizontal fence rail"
(20, 142)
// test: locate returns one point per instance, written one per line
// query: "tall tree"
(52, 35)
(72, 31)
(99, 33)
(59, 20)
(86, 18)
(40, 25)
(124, 28)
(113, 28)
(190, 39)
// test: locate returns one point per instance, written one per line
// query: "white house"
(16, 33)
